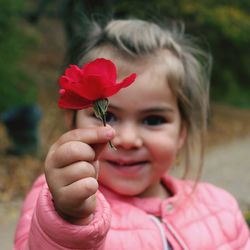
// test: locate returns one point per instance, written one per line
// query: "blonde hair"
(187, 68)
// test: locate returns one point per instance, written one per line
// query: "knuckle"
(73, 148)
(49, 156)
(75, 133)
(81, 150)
(47, 168)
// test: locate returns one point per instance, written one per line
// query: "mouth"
(128, 168)
(121, 164)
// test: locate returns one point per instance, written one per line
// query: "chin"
(126, 190)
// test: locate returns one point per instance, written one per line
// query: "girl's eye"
(154, 120)
(110, 117)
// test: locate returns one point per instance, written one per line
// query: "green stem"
(100, 108)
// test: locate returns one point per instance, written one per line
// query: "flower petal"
(128, 80)
(95, 80)
(94, 86)
(111, 90)
(91, 88)
(64, 81)
(101, 67)
(73, 73)
(69, 100)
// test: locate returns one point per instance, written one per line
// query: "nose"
(127, 136)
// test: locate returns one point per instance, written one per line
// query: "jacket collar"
(151, 205)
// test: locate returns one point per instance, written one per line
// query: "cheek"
(85, 119)
(163, 161)
(163, 149)
(106, 153)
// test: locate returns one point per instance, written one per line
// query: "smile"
(128, 169)
(127, 164)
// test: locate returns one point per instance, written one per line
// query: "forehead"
(150, 89)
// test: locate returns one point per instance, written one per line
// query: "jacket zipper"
(160, 227)
(177, 238)
(163, 236)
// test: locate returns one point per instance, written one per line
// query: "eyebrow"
(162, 109)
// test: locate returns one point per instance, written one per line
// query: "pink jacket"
(208, 219)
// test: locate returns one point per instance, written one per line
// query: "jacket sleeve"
(40, 226)
(243, 239)
(233, 223)
(229, 216)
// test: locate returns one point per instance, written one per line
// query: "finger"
(81, 214)
(73, 197)
(72, 173)
(87, 135)
(70, 152)
(96, 166)
(99, 147)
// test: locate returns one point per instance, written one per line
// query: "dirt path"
(9, 213)
(228, 166)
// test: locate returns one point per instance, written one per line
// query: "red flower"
(81, 87)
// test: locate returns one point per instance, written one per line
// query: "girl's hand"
(71, 170)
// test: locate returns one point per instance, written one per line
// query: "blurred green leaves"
(222, 25)
(226, 27)
(16, 86)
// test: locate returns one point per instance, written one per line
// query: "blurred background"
(36, 38)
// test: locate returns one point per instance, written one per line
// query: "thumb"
(98, 148)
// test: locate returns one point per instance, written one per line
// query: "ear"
(182, 136)
(68, 119)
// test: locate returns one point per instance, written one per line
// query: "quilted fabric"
(206, 218)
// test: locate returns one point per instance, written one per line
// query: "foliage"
(16, 86)
(247, 217)
(227, 31)
(223, 25)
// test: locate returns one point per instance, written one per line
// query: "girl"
(94, 197)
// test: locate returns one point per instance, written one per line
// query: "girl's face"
(149, 134)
